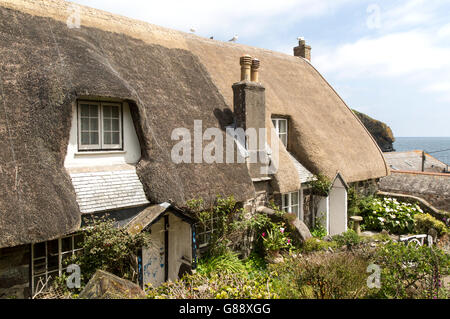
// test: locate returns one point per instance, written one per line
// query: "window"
(290, 203)
(281, 127)
(205, 231)
(48, 258)
(99, 126)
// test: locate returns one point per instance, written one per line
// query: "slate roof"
(412, 161)
(108, 190)
(304, 175)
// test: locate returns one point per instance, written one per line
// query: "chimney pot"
(255, 70)
(246, 64)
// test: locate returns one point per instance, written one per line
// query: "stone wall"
(15, 272)
(434, 188)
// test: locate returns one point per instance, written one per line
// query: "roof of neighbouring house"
(412, 161)
(45, 66)
(433, 187)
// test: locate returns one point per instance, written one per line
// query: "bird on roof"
(300, 38)
(212, 38)
(234, 39)
(192, 30)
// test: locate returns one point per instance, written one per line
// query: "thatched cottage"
(86, 120)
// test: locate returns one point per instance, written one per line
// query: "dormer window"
(281, 127)
(99, 126)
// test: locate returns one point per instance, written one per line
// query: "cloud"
(223, 18)
(396, 54)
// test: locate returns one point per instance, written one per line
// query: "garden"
(279, 266)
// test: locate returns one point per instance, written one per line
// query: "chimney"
(250, 111)
(303, 50)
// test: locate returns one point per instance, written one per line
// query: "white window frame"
(283, 136)
(101, 146)
(47, 274)
(288, 207)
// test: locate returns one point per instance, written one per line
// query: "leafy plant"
(216, 285)
(110, 248)
(315, 244)
(228, 262)
(275, 238)
(231, 222)
(390, 214)
(322, 276)
(412, 272)
(350, 238)
(424, 222)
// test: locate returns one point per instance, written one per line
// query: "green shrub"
(322, 276)
(108, 248)
(315, 244)
(350, 238)
(411, 272)
(216, 286)
(228, 262)
(387, 213)
(424, 222)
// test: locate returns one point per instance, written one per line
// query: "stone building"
(87, 116)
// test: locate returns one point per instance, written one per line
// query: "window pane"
(39, 267)
(107, 138)
(285, 200)
(39, 250)
(93, 111)
(284, 139)
(94, 138)
(294, 198)
(84, 110)
(115, 138)
(283, 126)
(115, 111)
(107, 111)
(294, 209)
(115, 124)
(84, 124)
(52, 247)
(66, 244)
(94, 125)
(106, 124)
(85, 138)
(52, 263)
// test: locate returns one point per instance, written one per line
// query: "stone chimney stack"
(250, 110)
(303, 50)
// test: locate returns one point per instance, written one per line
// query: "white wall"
(338, 208)
(180, 244)
(130, 154)
(323, 211)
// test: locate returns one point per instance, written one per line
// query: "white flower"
(381, 219)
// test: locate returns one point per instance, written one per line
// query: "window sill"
(93, 153)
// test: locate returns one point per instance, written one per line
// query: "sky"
(389, 59)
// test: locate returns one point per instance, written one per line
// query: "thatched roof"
(170, 78)
(45, 66)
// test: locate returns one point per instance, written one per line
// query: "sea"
(438, 147)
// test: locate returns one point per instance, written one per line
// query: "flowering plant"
(276, 238)
(390, 214)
